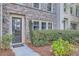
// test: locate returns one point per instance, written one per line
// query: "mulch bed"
(7, 52)
(76, 52)
(46, 50)
(43, 51)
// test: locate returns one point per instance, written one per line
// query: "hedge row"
(43, 37)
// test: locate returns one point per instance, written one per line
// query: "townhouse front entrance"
(17, 29)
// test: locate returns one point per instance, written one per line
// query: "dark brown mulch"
(7, 52)
(44, 50)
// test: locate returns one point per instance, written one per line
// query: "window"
(77, 12)
(16, 23)
(49, 7)
(73, 26)
(36, 5)
(65, 7)
(35, 25)
(4, 19)
(65, 23)
(49, 25)
(43, 25)
(71, 10)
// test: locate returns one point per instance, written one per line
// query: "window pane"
(65, 7)
(36, 5)
(77, 10)
(49, 25)
(3, 19)
(36, 25)
(43, 25)
(65, 23)
(71, 10)
(49, 7)
(73, 26)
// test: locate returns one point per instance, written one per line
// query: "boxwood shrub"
(43, 37)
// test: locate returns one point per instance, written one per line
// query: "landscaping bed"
(42, 50)
(46, 50)
(76, 52)
(6, 52)
(5, 45)
(55, 42)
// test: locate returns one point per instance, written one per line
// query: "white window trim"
(47, 25)
(40, 24)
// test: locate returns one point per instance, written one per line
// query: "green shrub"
(39, 39)
(40, 36)
(70, 35)
(6, 40)
(61, 48)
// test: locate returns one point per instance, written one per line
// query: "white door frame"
(23, 27)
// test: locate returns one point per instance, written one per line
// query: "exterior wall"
(5, 27)
(27, 12)
(61, 16)
(59, 11)
(71, 17)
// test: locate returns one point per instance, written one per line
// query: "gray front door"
(17, 29)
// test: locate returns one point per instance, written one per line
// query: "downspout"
(1, 20)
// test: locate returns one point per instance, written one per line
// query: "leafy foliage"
(42, 37)
(61, 47)
(6, 40)
(39, 39)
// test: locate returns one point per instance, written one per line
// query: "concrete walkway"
(24, 51)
